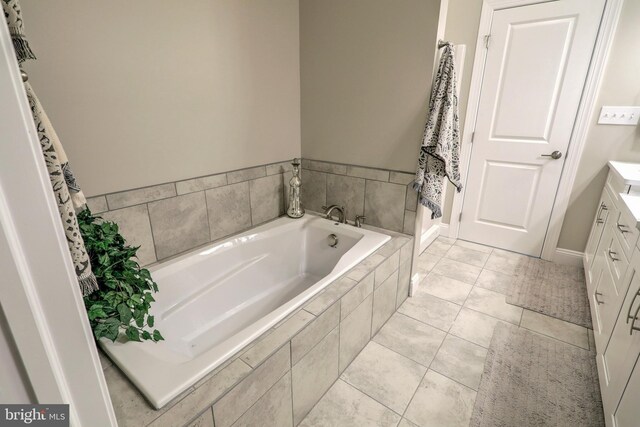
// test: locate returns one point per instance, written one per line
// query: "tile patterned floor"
(424, 366)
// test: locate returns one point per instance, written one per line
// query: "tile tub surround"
(171, 218)
(280, 377)
(385, 197)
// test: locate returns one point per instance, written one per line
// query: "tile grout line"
(423, 377)
(153, 237)
(291, 370)
(206, 205)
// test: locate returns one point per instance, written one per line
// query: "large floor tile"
(427, 261)
(406, 423)
(556, 328)
(446, 288)
(457, 270)
(475, 246)
(411, 338)
(344, 405)
(468, 256)
(494, 281)
(385, 375)
(438, 248)
(441, 401)
(493, 304)
(460, 360)
(474, 326)
(504, 261)
(446, 240)
(430, 310)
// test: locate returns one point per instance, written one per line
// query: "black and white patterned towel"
(67, 193)
(440, 152)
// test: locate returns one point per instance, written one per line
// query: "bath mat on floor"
(555, 290)
(531, 380)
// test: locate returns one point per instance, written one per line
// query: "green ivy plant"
(124, 297)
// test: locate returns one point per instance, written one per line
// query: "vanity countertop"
(628, 172)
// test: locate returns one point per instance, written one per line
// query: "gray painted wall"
(366, 69)
(150, 91)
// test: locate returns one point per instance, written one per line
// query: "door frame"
(586, 108)
(40, 295)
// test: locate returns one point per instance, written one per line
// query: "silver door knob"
(555, 155)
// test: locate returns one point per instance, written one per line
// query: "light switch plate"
(619, 116)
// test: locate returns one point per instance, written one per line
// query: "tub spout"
(328, 211)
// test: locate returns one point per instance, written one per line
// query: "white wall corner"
(428, 237)
(444, 230)
(568, 257)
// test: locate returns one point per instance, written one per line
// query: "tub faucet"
(329, 210)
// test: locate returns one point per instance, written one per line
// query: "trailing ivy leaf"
(96, 311)
(125, 313)
(146, 335)
(157, 336)
(138, 315)
(150, 321)
(133, 334)
(113, 328)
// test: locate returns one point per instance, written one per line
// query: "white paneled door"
(535, 69)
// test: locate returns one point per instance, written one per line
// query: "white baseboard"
(429, 236)
(568, 257)
(444, 230)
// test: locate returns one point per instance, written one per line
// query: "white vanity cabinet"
(618, 357)
(612, 270)
(627, 413)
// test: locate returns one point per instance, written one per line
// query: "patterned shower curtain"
(67, 193)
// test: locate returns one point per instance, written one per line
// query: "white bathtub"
(214, 301)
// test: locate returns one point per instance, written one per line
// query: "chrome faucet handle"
(359, 220)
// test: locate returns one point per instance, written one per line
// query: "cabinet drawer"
(625, 228)
(616, 186)
(605, 308)
(615, 257)
(599, 223)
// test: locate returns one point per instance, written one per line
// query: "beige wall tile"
(315, 331)
(179, 223)
(274, 409)
(133, 223)
(236, 402)
(267, 198)
(355, 332)
(246, 174)
(314, 374)
(141, 195)
(229, 209)
(384, 205)
(202, 183)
